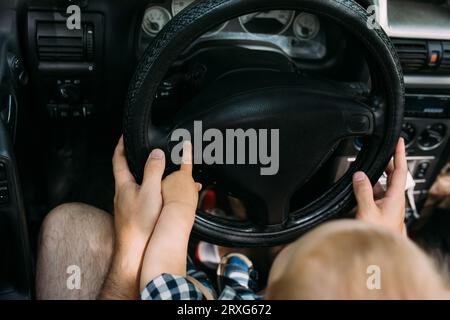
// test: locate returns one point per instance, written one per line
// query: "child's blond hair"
(354, 260)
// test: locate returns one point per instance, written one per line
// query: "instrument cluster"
(297, 34)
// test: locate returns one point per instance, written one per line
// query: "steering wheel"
(312, 115)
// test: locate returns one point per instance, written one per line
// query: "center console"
(420, 31)
(426, 131)
(67, 63)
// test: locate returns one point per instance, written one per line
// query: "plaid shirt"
(235, 282)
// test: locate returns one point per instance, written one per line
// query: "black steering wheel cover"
(206, 14)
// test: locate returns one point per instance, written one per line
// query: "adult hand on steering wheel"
(386, 209)
(312, 117)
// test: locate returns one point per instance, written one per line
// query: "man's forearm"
(122, 281)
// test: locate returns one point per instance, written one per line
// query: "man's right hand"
(136, 211)
(137, 207)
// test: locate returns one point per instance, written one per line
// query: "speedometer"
(155, 18)
(268, 22)
(180, 5)
(306, 26)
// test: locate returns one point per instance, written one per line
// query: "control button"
(165, 90)
(4, 194)
(439, 128)
(19, 71)
(434, 53)
(52, 110)
(434, 58)
(424, 165)
(87, 109)
(432, 137)
(420, 175)
(69, 93)
(64, 111)
(409, 133)
(422, 170)
(77, 113)
(63, 114)
(359, 124)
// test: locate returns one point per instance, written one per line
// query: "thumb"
(154, 170)
(363, 192)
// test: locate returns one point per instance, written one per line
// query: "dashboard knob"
(432, 136)
(69, 93)
(408, 133)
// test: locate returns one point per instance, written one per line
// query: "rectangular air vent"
(55, 42)
(445, 64)
(413, 54)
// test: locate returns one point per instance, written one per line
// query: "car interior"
(143, 68)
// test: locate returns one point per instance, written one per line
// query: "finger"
(154, 170)
(400, 174)
(186, 162)
(363, 192)
(390, 168)
(378, 191)
(389, 171)
(122, 174)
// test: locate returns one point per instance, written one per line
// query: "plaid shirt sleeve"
(236, 285)
(169, 287)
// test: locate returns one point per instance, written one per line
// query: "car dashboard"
(71, 85)
(74, 75)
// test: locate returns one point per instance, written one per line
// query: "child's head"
(344, 260)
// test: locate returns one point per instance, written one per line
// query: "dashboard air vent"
(445, 64)
(57, 43)
(413, 54)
